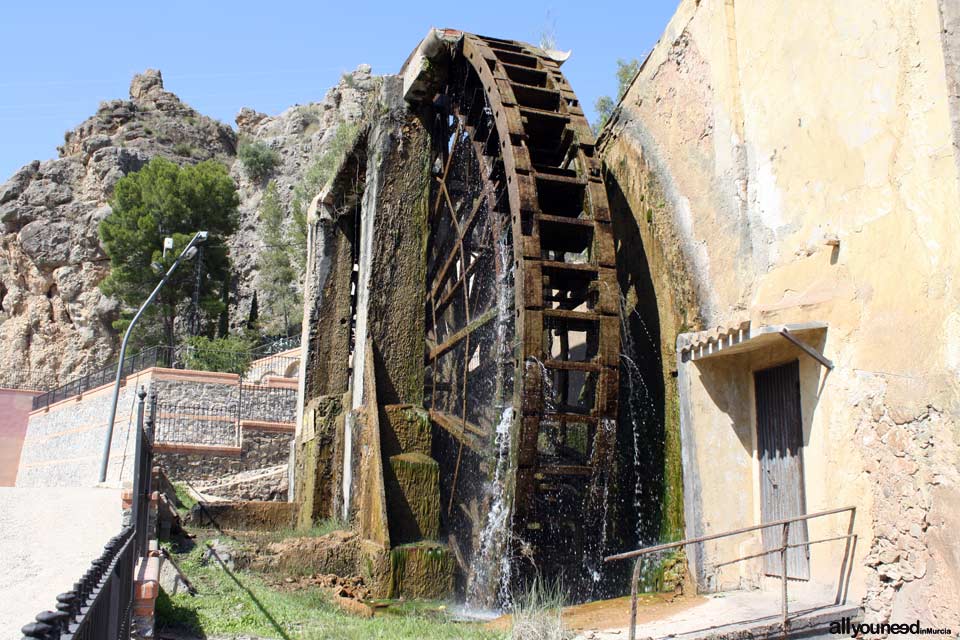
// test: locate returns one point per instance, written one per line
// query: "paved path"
(48, 537)
(741, 608)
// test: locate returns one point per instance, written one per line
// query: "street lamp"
(188, 252)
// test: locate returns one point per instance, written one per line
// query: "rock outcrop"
(53, 318)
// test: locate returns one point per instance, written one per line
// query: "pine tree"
(278, 275)
(163, 199)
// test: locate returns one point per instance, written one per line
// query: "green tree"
(626, 70)
(160, 200)
(278, 275)
(228, 354)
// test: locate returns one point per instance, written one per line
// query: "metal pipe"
(683, 543)
(201, 236)
(785, 536)
(138, 488)
(633, 598)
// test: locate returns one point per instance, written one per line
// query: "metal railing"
(249, 365)
(277, 346)
(197, 425)
(152, 357)
(218, 423)
(27, 379)
(100, 604)
(845, 568)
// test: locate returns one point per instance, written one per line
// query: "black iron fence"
(152, 357)
(100, 604)
(197, 425)
(28, 379)
(253, 366)
(217, 423)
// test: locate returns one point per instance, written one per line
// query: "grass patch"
(320, 529)
(184, 497)
(241, 603)
(536, 613)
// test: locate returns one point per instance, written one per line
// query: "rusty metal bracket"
(807, 349)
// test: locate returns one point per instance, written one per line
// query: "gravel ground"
(48, 537)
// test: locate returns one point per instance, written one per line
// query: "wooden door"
(780, 447)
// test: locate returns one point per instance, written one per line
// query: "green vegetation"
(322, 169)
(626, 70)
(258, 159)
(229, 354)
(320, 529)
(183, 149)
(164, 199)
(312, 183)
(184, 497)
(279, 266)
(240, 602)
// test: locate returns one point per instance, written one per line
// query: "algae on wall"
(658, 303)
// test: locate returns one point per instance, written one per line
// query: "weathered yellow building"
(795, 165)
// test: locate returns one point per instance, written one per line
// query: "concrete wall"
(64, 442)
(802, 165)
(15, 407)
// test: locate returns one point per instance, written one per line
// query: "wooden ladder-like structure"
(539, 173)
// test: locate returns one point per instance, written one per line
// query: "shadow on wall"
(641, 422)
(728, 381)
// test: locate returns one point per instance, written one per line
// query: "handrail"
(181, 357)
(782, 550)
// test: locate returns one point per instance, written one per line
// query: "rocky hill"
(53, 319)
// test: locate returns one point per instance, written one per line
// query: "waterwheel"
(522, 318)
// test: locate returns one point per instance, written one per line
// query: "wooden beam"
(460, 335)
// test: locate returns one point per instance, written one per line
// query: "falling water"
(490, 583)
(640, 410)
(492, 577)
(347, 463)
(594, 559)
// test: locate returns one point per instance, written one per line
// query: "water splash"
(491, 581)
(347, 463)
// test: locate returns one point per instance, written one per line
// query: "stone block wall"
(63, 445)
(259, 450)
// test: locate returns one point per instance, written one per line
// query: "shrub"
(258, 159)
(230, 354)
(183, 149)
(536, 614)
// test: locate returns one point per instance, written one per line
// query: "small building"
(788, 173)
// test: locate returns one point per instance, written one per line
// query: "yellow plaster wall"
(806, 157)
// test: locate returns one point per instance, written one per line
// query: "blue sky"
(58, 60)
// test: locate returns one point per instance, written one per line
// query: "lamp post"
(188, 252)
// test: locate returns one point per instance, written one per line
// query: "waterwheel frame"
(518, 202)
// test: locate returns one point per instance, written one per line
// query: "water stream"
(347, 463)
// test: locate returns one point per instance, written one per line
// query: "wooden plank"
(460, 335)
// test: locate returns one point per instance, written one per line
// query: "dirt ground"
(585, 619)
(48, 537)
